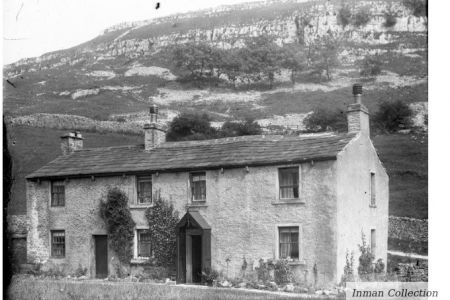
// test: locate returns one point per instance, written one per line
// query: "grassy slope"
(31, 148)
(404, 158)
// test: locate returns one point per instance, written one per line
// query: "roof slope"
(191, 155)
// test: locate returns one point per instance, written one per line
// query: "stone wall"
(410, 229)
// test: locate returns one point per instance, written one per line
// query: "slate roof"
(194, 155)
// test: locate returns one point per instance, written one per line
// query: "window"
(144, 190)
(373, 241)
(288, 180)
(58, 193)
(288, 239)
(58, 243)
(198, 186)
(373, 201)
(144, 247)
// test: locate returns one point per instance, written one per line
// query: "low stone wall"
(410, 229)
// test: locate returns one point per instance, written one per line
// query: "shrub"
(283, 273)
(348, 268)
(361, 17)
(370, 67)
(248, 127)
(390, 19)
(162, 220)
(80, 271)
(366, 258)
(418, 8)
(119, 223)
(392, 116)
(344, 16)
(209, 275)
(190, 126)
(325, 120)
(379, 266)
(155, 273)
(263, 271)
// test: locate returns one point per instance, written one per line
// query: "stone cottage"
(307, 199)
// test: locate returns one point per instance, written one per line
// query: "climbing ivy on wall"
(119, 223)
(162, 219)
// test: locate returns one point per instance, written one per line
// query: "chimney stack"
(70, 142)
(154, 132)
(357, 113)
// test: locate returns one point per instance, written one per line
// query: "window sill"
(193, 205)
(289, 201)
(373, 206)
(142, 206)
(297, 263)
(140, 261)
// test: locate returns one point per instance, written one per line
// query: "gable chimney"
(70, 142)
(357, 113)
(154, 132)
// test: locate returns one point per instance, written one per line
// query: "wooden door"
(196, 258)
(101, 256)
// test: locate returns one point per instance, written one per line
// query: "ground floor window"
(58, 239)
(144, 246)
(289, 242)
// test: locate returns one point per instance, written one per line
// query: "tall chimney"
(154, 132)
(70, 142)
(357, 113)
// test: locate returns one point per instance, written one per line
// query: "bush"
(392, 116)
(162, 220)
(155, 273)
(344, 16)
(283, 273)
(390, 19)
(248, 127)
(379, 266)
(418, 8)
(366, 258)
(370, 67)
(362, 17)
(348, 268)
(263, 271)
(209, 275)
(190, 126)
(119, 223)
(325, 120)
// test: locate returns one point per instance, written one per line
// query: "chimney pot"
(357, 89)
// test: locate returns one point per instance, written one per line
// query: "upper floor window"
(58, 239)
(144, 246)
(373, 196)
(144, 190)
(288, 182)
(198, 186)
(289, 241)
(58, 193)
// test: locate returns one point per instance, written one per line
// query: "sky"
(34, 27)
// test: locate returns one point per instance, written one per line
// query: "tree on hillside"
(392, 116)
(190, 126)
(231, 65)
(247, 127)
(324, 55)
(321, 120)
(292, 58)
(260, 56)
(344, 16)
(194, 58)
(418, 8)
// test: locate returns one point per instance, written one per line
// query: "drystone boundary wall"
(411, 229)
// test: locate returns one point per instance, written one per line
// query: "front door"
(101, 256)
(196, 258)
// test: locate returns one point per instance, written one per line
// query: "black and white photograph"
(226, 149)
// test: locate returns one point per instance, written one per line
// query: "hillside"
(104, 86)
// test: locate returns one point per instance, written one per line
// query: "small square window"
(144, 190)
(58, 239)
(198, 186)
(58, 193)
(289, 183)
(144, 245)
(288, 240)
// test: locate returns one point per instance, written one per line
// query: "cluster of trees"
(260, 59)
(192, 126)
(390, 117)
(357, 18)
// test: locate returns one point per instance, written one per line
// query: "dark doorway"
(196, 258)
(101, 256)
